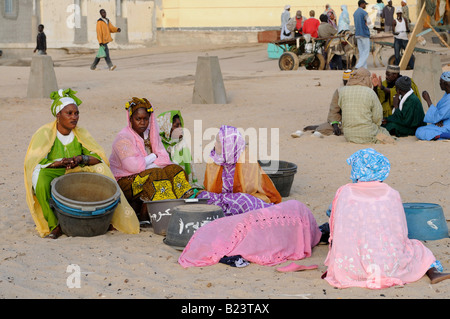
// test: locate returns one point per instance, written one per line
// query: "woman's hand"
(72, 161)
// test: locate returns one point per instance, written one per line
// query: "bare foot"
(436, 276)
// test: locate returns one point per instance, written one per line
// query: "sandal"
(56, 232)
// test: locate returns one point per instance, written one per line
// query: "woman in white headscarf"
(344, 19)
(61, 147)
(285, 17)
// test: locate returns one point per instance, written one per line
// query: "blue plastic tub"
(426, 221)
(78, 223)
(84, 203)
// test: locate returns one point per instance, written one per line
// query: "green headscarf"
(61, 98)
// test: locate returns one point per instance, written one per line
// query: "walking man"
(104, 30)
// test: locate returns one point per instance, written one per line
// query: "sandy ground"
(117, 265)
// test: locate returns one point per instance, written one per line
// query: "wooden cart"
(303, 51)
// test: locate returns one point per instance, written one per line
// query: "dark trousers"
(400, 44)
(107, 58)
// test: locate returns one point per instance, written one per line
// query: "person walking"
(41, 41)
(104, 30)
(362, 34)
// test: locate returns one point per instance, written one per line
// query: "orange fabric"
(104, 31)
(249, 178)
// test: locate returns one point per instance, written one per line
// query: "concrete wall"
(72, 23)
(15, 27)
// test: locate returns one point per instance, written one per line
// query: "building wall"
(248, 13)
(15, 26)
(72, 23)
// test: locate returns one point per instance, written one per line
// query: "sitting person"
(232, 181)
(333, 124)
(407, 114)
(141, 164)
(369, 246)
(437, 116)
(58, 148)
(171, 131)
(361, 110)
(267, 236)
(386, 89)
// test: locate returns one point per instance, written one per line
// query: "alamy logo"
(74, 279)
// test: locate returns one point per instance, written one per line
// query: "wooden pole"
(440, 38)
(413, 39)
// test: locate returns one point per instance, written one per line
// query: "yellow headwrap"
(137, 103)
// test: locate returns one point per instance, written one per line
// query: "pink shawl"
(267, 236)
(128, 150)
(369, 239)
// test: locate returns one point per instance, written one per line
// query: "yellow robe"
(124, 218)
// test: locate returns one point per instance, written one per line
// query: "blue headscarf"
(368, 165)
(446, 76)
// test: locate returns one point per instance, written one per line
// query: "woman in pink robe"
(266, 236)
(369, 244)
(141, 164)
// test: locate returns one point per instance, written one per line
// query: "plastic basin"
(185, 221)
(281, 173)
(160, 211)
(426, 221)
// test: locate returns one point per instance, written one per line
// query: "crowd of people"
(388, 19)
(366, 109)
(150, 161)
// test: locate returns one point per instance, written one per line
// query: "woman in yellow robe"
(43, 143)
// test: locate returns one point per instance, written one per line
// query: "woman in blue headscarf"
(368, 165)
(369, 240)
(344, 19)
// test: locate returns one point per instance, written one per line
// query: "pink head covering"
(128, 150)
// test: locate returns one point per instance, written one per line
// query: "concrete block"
(426, 74)
(208, 87)
(42, 80)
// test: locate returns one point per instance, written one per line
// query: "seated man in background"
(437, 116)
(333, 124)
(311, 25)
(386, 89)
(407, 114)
(362, 112)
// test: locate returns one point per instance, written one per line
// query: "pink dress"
(267, 236)
(369, 240)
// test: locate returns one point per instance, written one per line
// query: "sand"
(117, 265)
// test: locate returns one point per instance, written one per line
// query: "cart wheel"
(318, 63)
(391, 60)
(288, 61)
(445, 37)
